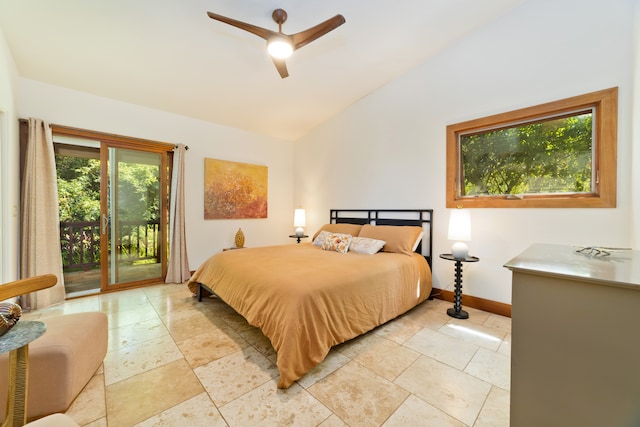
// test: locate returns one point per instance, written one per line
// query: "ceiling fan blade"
(281, 65)
(307, 36)
(258, 31)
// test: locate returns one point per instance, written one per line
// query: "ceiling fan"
(280, 45)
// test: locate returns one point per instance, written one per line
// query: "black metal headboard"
(418, 217)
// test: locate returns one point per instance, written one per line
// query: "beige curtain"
(40, 225)
(178, 269)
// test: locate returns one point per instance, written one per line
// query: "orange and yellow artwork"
(234, 190)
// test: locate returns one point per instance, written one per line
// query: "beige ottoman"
(55, 420)
(61, 362)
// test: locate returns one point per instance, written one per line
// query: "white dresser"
(575, 355)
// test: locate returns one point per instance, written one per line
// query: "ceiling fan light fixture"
(279, 47)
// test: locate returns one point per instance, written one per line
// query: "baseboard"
(475, 302)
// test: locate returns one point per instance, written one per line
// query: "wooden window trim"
(605, 103)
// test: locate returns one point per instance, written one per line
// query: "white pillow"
(418, 240)
(320, 238)
(365, 245)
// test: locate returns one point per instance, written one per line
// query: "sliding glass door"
(133, 216)
(113, 204)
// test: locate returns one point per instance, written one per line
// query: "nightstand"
(295, 236)
(457, 310)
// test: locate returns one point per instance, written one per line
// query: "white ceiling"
(169, 55)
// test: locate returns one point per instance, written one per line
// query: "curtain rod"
(186, 147)
(73, 131)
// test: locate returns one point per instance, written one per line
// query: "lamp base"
(459, 250)
(299, 232)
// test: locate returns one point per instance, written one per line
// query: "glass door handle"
(104, 223)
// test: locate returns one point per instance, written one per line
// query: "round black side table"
(295, 236)
(457, 310)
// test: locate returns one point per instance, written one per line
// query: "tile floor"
(175, 362)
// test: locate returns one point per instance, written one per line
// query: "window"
(559, 154)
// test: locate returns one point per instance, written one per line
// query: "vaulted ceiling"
(169, 55)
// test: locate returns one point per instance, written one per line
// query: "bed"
(308, 297)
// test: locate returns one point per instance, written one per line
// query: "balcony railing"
(80, 243)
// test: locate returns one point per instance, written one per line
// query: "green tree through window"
(553, 156)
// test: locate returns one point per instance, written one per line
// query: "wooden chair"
(26, 286)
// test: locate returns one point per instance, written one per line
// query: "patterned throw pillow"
(320, 239)
(364, 245)
(337, 242)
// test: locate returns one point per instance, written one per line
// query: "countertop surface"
(619, 268)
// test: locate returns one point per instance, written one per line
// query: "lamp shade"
(299, 219)
(460, 231)
(460, 225)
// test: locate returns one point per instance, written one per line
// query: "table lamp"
(460, 231)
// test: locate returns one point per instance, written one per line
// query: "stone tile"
(199, 411)
(398, 330)
(417, 412)
(456, 393)
(122, 301)
(332, 421)
(130, 317)
(256, 338)
(202, 349)
(495, 412)
(330, 364)
(268, 406)
(102, 422)
(474, 333)
(432, 318)
(132, 360)
(496, 321)
(137, 398)
(187, 324)
(505, 346)
(131, 335)
(359, 396)
(90, 404)
(492, 367)
(447, 349)
(354, 347)
(232, 376)
(386, 358)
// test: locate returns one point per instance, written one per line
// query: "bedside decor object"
(9, 315)
(299, 221)
(457, 310)
(460, 231)
(239, 241)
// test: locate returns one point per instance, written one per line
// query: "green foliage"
(138, 192)
(552, 156)
(79, 201)
(78, 188)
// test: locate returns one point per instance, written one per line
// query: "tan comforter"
(306, 300)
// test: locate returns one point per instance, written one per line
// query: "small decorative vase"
(239, 238)
(9, 315)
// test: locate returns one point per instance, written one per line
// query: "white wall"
(9, 154)
(388, 150)
(204, 237)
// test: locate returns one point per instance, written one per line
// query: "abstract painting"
(234, 190)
